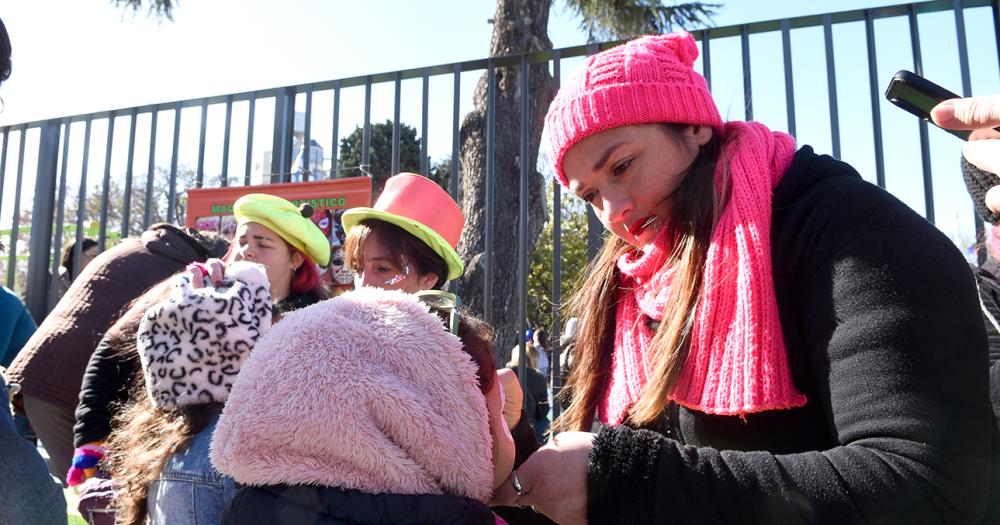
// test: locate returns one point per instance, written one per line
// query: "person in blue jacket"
(30, 494)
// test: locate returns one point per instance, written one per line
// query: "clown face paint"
(339, 272)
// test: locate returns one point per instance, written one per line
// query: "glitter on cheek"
(398, 278)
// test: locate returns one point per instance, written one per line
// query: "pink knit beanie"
(647, 80)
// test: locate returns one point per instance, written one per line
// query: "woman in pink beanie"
(766, 338)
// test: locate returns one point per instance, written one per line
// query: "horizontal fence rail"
(34, 247)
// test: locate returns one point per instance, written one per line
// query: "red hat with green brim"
(421, 208)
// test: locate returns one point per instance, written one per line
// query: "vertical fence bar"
(963, 49)
(281, 142)
(595, 234)
(60, 207)
(747, 87)
(127, 205)
(15, 227)
(250, 117)
(490, 175)
(556, 364)
(199, 177)
(224, 176)
(40, 244)
(102, 233)
(425, 168)
(522, 230)
(995, 8)
(307, 137)
(963, 61)
(334, 151)
(81, 203)
(395, 125)
(289, 133)
(172, 191)
(366, 136)
(706, 59)
(786, 52)
(455, 145)
(595, 229)
(873, 90)
(3, 163)
(831, 85)
(151, 171)
(455, 132)
(925, 151)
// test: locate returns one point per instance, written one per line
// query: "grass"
(72, 498)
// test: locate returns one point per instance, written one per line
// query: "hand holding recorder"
(980, 114)
(958, 116)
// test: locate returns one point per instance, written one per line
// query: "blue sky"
(78, 56)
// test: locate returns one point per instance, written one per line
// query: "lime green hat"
(283, 218)
(421, 208)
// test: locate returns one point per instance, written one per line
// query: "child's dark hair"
(5, 52)
(477, 341)
(68, 261)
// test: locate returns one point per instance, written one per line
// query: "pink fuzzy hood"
(366, 391)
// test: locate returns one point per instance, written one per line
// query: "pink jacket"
(366, 391)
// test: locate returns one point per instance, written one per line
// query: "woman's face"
(88, 255)
(380, 269)
(257, 243)
(630, 175)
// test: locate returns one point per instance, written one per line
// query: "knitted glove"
(978, 182)
(85, 461)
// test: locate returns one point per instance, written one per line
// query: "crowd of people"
(764, 338)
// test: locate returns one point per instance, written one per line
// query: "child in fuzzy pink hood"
(383, 420)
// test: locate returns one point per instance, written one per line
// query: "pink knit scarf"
(736, 363)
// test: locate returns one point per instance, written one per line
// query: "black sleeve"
(525, 443)
(104, 388)
(896, 344)
(989, 295)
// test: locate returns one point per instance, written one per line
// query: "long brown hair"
(691, 221)
(143, 439)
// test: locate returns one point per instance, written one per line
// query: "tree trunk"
(519, 26)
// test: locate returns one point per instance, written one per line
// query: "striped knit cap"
(647, 80)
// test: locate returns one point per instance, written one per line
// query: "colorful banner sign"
(211, 209)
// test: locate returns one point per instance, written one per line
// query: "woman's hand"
(553, 480)
(206, 273)
(983, 148)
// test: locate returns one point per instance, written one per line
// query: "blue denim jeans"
(30, 495)
(189, 490)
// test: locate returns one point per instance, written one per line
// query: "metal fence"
(37, 279)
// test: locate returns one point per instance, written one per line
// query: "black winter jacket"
(52, 363)
(310, 505)
(536, 396)
(885, 338)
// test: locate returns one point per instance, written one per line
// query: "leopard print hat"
(192, 343)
